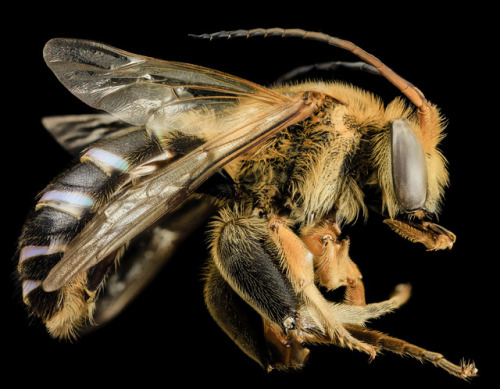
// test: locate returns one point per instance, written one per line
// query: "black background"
(167, 334)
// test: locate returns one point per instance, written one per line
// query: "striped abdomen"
(63, 209)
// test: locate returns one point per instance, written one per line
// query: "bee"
(285, 168)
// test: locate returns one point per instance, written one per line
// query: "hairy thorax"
(306, 170)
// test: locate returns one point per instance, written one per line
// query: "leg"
(246, 259)
(297, 261)
(349, 314)
(334, 267)
(236, 318)
(260, 339)
(385, 342)
(359, 315)
(248, 295)
(240, 309)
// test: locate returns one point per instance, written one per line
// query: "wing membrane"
(77, 132)
(134, 87)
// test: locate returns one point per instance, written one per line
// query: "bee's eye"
(408, 167)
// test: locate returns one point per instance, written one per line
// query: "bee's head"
(409, 169)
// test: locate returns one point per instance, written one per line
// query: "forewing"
(130, 212)
(140, 90)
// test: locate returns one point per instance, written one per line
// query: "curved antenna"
(408, 89)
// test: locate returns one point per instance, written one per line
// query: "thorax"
(307, 169)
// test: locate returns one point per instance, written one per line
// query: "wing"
(164, 96)
(145, 257)
(76, 132)
(140, 90)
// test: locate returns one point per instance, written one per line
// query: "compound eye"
(408, 167)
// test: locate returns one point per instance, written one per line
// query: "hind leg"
(247, 260)
(401, 347)
(261, 340)
(247, 292)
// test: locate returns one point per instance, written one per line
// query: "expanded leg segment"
(261, 340)
(235, 317)
(334, 267)
(247, 260)
(247, 293)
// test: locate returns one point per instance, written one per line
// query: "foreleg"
(334, 267)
